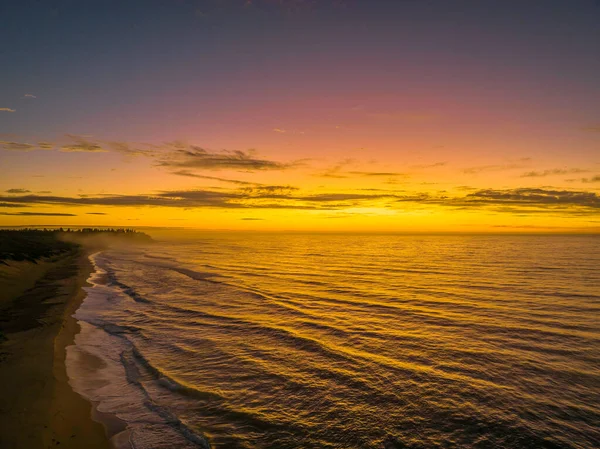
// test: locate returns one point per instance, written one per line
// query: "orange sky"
(338, 116)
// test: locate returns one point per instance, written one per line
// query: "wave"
(134, 377)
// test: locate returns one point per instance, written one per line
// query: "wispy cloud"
(434, 165)
(592, 128)
(336, 171)
(377, 174)
(7, 110)
(340, 170)
(18, 191)
(129, 149)
(96, 213)
(24, 146)
(409, 117)
(491, 168)
(29, 96)
(17, 146)
(279, 130)
(46, 145)
(81, 145)
(189, 174)
(591, 180)
(555, 171)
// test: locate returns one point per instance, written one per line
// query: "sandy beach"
(38, 407)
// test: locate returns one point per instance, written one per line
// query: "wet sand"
(38, 407)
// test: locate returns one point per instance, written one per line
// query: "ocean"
(241, 340)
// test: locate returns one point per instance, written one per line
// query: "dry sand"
(38, 408)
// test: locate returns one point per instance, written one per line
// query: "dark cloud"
(96, 213)
(271, 191)
(251, 219)
(538, 197)
(183, 156)
(12, 205)
(261, 197)
(555, 171)
(18, 191)
(522, 201)
(38, 214)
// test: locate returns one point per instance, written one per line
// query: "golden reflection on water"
(368, 341)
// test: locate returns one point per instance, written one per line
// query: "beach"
(38, 407)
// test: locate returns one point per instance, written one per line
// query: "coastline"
(39, 408)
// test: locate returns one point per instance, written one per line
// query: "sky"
(331, 115)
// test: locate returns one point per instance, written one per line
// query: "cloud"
(96, 213)
(17, 191)
(23, 146)
(537, 197)
(521, 201)
(491, 168)
(46, 145)
(262, 197)
(279, 130)
(29, 96)
(271, 191)
(251, 219)
(129, 149)
(376, 174)
(411, 117)
(184, 156)
(213, 178)
(555, 171)
(81, 145)
(40, 214)
(7, 110)
(593, 128)
(435, 164)
(17, 146)
(12, 205)
(336, 170)
(593, 179)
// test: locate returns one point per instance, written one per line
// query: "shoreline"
(39, 407)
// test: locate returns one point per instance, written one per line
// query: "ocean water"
(345, 341)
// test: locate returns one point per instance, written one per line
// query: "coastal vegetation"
(30, 244)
